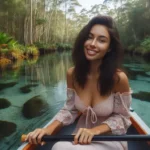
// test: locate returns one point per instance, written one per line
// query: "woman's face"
(97, 43)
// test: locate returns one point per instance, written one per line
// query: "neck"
(94, 65)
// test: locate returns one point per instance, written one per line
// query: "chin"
(91, 58)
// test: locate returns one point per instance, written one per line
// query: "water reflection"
(29, 85)
(49, 70)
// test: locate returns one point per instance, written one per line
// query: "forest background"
(32, 27)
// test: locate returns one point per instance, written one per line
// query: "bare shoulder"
(70, 71)
(70, 77)
(122, 85)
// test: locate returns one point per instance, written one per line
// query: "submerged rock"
(34, 107)
(7, 128)
(7, 85)
(4, 103)
(26, 89)
(133, 73)
(144, 96)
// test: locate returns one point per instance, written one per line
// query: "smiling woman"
(97, 88)
(97, 44)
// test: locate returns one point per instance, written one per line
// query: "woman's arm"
(119, 121)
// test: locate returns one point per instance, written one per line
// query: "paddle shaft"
(100, 138)
(48, 138)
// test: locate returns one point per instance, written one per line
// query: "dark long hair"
(111, 61)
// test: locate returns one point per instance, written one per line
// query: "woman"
(97, 88)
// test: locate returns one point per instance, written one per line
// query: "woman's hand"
(36, 136)
(84, 136)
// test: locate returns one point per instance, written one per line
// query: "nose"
(93, 42)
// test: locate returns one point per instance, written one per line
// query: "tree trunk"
(31, 40)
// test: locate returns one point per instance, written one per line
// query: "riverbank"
(142, 49)
(11, 51)
(138, 51)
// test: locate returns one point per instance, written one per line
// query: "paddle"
(48, 138)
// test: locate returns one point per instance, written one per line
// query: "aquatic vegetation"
(45, 48)
(4, 103)
(16, 65)
(15, 53)
(9, 48)
(7, 128)
(133, 73)
(7, 85)
(32, 60)
(32, 51)
(26, 89)
(143, 96)
(34, 107)
(4, 62)
(63, 47)
(11, 51)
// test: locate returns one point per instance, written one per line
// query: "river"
(45, 77)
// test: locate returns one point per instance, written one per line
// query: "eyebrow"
(101, 36)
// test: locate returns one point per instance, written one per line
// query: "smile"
(91, 52)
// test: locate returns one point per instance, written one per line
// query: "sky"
(88, 3)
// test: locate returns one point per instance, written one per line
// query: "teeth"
(91, 52)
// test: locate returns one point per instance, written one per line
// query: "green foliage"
(5, 39)
(41, 45)
(4, 51)
(40, 21)
(61, 25)
(131, 48)
(133, 19)
(63, 46)
(146, 43)
(142, 49)
(8, 42)
(9, 47)
(139, 50)
(11, 6)
(32, 50)
(45, 46)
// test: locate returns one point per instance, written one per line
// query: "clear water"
(139, 82)
(49, 73)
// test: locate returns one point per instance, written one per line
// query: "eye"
(102, 40)
(90, 37)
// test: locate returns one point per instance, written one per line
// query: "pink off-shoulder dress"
(113, 111)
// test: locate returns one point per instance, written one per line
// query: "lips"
(91, 52)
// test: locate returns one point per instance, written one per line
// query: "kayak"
(138, 130)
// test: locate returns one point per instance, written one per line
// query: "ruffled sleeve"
(119, 121)
(68, 113)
